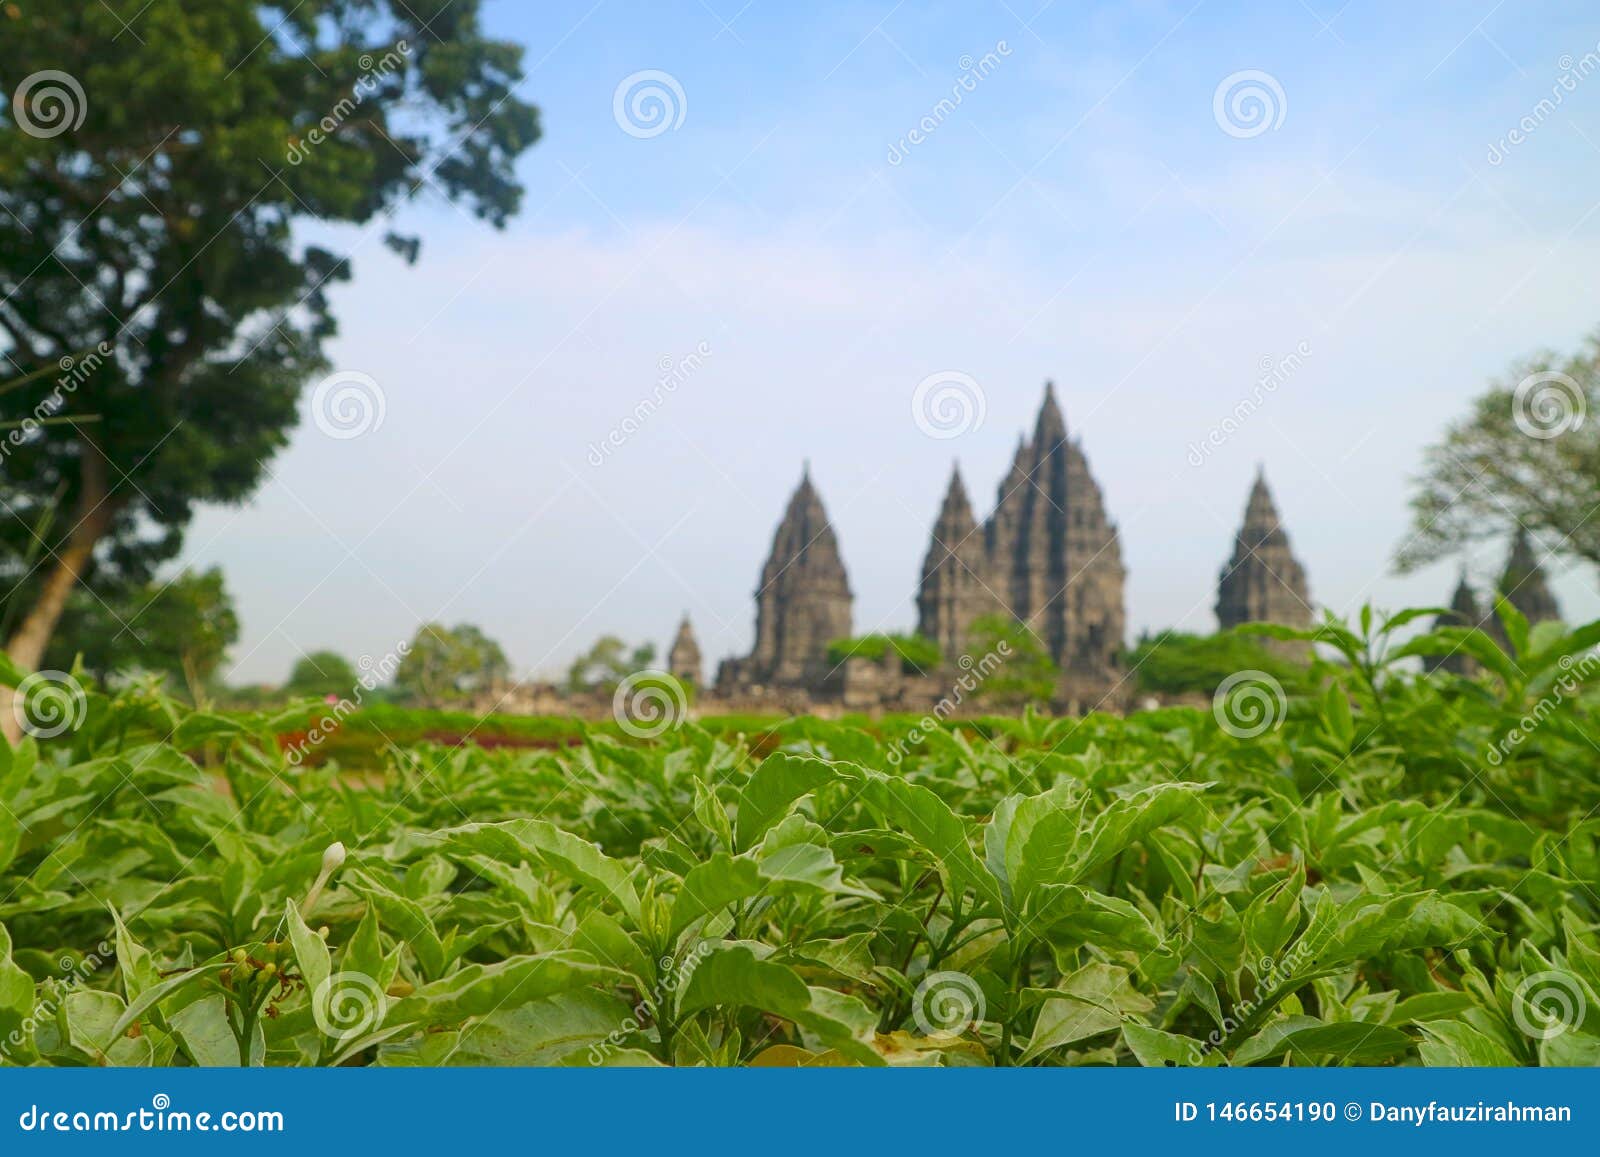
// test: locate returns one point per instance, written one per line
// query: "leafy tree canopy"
(1027, 675)
(180, 629)
(1175, 662)
(446, 665)
(1527, 455)
(320, 674)
(607, 663)
(917, 654)
(156, 157)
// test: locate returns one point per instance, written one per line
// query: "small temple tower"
(954, 588)
(1523, 585)
(1464, 612)
(1263, 582)
(803, 602)
(683, 660)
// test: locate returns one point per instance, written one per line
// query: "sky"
(811, 225)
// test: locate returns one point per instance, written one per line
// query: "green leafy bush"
(917, 655)
(1389, 870)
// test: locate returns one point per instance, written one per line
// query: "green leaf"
(735, 976)
(1311, 1041)
(1095, 999)
(775, 786)
(316, 965)
(479, 989)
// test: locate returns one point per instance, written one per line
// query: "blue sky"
(1082, 215)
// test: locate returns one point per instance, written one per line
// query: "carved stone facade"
(1048, 557)
(1263, 582)
(802, 604)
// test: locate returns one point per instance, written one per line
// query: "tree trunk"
(91, 520)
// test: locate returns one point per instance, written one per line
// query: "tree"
(181, 629)
(608, 663)
(1527, 456)
(154, 294)
(1175, 662)
(447, 665)
(320, 674)
(1026, 673)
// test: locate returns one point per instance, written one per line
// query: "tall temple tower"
(803, 602)
(683, 660)
(1049, 557)
(1263, 582)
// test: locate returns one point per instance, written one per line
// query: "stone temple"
(1048, 556)
(1522, 584)
(1263, 582)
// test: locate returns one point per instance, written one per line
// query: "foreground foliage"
(1389, 870)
